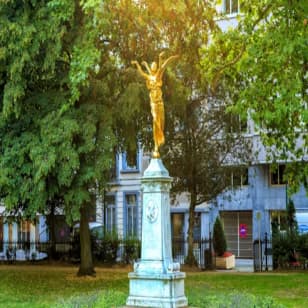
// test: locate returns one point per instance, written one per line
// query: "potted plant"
(224, 259)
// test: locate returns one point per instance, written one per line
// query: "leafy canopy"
(263, 65)
(57, 127)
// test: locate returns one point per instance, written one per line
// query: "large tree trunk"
(52, 229)
(191, 260)
(86, 262)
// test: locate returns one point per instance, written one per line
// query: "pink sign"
(243, 230)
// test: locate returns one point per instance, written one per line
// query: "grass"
(288, 289)
(57, 286)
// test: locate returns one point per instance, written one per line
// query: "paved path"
(244, 265)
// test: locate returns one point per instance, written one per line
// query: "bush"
(132, 249)
(285, 247)
(106, 249)
(219, 239)
(303, 245)
(103, 250)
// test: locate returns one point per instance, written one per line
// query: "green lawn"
(57, 286)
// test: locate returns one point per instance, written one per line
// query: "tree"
(199, 154)
(56, 121)
(219, 239)
(291, 219)
(265, 61)
(52, 207)
(195, 150)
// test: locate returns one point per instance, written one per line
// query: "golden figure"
(154, 82)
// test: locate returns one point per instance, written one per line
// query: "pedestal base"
(156, 290)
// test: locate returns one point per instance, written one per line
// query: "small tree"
(219, 239)
(291, 219)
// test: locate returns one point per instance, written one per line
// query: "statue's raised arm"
(146, 65)
(165, 63)
(140, 70)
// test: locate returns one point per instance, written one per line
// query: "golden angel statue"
(154, 82)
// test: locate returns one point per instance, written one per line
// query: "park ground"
(54, 285)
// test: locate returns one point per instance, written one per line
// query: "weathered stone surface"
(156, 280)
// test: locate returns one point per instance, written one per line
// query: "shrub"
(303, 245)
(288, 243)
(219, 239)
(106, 249)
(283, 249)
(132, 249)
(103, 249)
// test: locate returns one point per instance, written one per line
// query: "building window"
(11, 235)
(236, 124)
(197, 227)
(24, 231)
(177, 226)
(130, 161)
(231, 6)
(178, 235)
(239, 178)
(131, 206)
(277, 175)
(279, 221)
(110, 213)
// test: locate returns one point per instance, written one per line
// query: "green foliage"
(58, 116)
(55, 286)
(56, 123)
(105, 249)
(32, 33)
(291, 219)
(85, 301)
(219, 239)
(262, 65)
(140, 31)
(284, 246)
(108, 298)
(132, 248)
(115, 299)
(303, 245)
(288, 246)
(240, 300)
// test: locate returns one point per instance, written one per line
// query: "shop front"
(238, 232)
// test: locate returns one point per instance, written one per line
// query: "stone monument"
(156, 280)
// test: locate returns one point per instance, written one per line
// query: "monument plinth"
(156, 280)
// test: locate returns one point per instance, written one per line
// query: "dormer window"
(277, 175)
(231, 6)
(130, 161)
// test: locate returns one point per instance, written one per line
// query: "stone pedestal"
(156, 280)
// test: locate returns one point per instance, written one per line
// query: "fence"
(110, 250)
(202, 250)
(125, 251)
(262, 254)
(24, 251)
